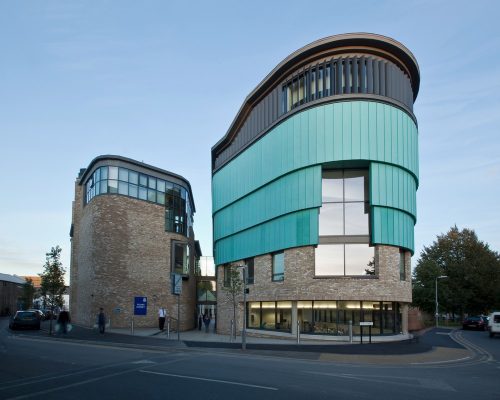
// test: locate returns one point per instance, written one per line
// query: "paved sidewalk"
(434, 346)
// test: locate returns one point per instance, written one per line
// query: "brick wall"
(300, 283)
(120, 250)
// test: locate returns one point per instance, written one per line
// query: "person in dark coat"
(63, 320)
(206, 321)
(101, 320)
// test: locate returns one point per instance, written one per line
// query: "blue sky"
(161, 81)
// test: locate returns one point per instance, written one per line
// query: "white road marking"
(144, 362)
(435, 384)
(209, 380)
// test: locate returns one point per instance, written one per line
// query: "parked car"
(25, 319)
(494, 323)
(475, 322)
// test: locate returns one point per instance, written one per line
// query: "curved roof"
(383, 46)
(83, 174)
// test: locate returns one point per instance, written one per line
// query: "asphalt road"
(33, 365)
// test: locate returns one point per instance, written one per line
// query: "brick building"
(131, 231)
(314, 191)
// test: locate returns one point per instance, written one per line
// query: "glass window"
(402, 267)
(123, 188)
(331, 217)
(268, 315)
(354, 185)
(160, 185)
(332, 187)
(152, 195)
(250, 270)
(113, 172)
(133, 191)
(112, 186)
(313, 85)
(305, 316)
(143, 180)
(133, 177)
(104, 187)
(152, 183)
(320, 83)
(356, 221)
(329, 259)
(254, 320)
(279, 266)
(160, 198)
(123, 174)
(358, 258)
(181, 258)
(97, 174)
(143, 193)
(104, 172)
(284, 316)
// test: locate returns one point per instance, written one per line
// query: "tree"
(52, 285)
(233, 285)
(472, 270)
(28, 293)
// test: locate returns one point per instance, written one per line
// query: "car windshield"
(26, 314)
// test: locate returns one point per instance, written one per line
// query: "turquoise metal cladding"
(393, 187)
(356, 131)
(298, 190)
(296, 229)
(392, 227)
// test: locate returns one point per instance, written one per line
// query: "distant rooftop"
(12, 278)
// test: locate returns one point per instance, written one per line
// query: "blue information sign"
(140, 305)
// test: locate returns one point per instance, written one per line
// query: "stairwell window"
(278, 267)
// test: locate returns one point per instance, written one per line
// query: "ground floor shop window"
(326, 317)
(270, 315)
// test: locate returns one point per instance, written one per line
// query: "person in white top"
(162, 314)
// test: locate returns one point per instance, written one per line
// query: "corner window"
(344, 259)
(278, 267)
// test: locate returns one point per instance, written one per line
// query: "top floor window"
(126, 182)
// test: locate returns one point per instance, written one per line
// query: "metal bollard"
(298, 332)
(350, 331)
(231, 333)
(132, 327)
(168, 329)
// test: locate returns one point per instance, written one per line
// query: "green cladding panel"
(296, 229)
(280, 174)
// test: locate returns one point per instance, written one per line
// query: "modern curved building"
(314, 190)
(132, 230)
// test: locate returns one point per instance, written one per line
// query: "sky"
(161, 81)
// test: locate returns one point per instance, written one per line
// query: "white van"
(494, 323)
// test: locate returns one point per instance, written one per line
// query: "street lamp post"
(437, 303)
(244, 331)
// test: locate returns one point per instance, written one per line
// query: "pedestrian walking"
(101, 320)
(63, 320)
(162, 315)
(206, 321)
(200, 321)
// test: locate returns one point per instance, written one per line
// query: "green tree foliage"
(52, 285)
(233, 287)
(28, 293)
(472, 285)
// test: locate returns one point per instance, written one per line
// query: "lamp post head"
(442, 276)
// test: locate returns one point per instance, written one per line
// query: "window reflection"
(122, 181)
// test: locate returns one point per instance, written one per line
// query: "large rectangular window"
(344, 225)
(402, 266)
